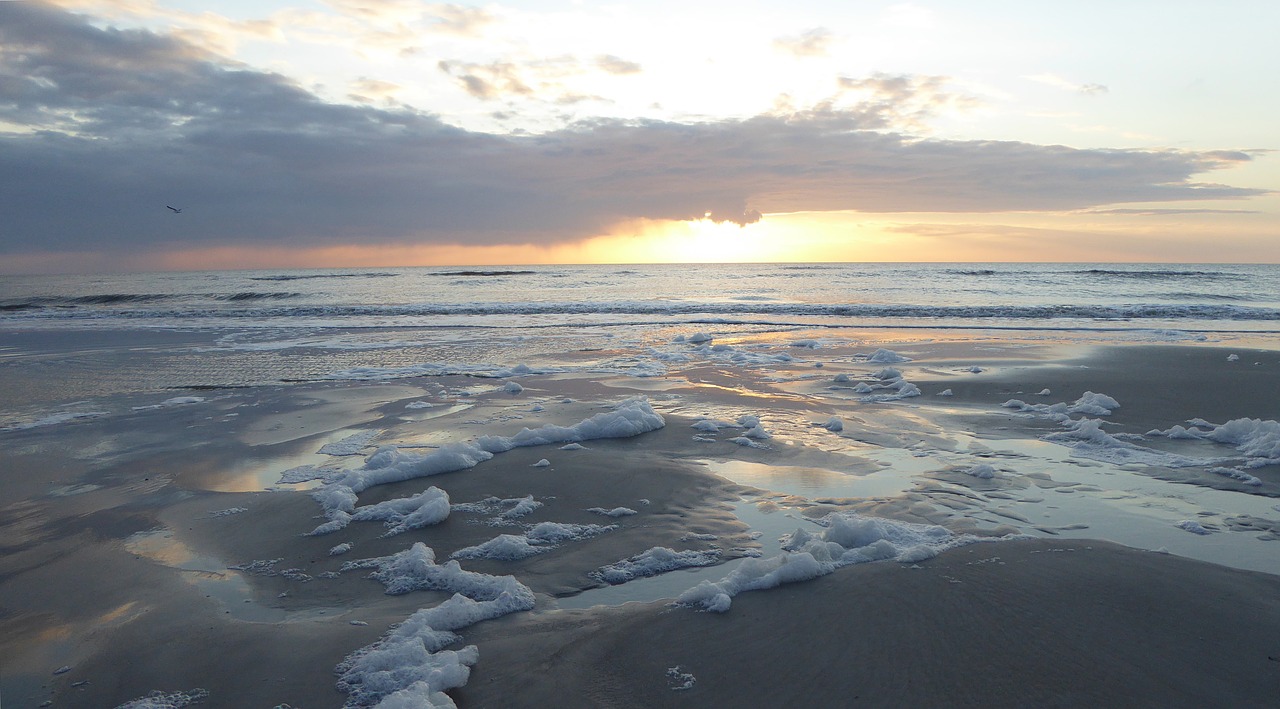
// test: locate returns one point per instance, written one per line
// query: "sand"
(117, 535)
(1156, 385)
(1030, 624)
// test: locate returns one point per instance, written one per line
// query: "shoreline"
(84, 520)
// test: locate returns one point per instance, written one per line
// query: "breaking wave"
(310, 276)
(1160, 311)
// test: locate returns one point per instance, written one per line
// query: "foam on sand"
(615, 512)
(302, 474)
(175, 401)
(632, 417)
(539, 538)
(55, 419)
(409, 667)
(657, 560)
(415, 569)
(1088, 440)
(391, 465)
(520, 507)
(889, 385)
(351, 445)
(1193, 526)
(982, 471)
(431, 506)
(883, 356)
(515, 508)
(833, 424)
(167, 700)
(847, 538)
(1089, 403)
(1240, 475)
(1259, 440)
(504, 547)
(338, 495)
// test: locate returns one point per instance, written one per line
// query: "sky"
(347, 133)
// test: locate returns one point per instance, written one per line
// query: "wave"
(1103, 273)
(980, 272)
(253, 295)
(114, 298)
(126, 299)
(308, 276)
(1203, 296)
(483, 273)
(1156, 274)
(1159, 311)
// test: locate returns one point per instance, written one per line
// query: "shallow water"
(1076, 498)
(211, 576)
(768, 525)
(811, 482)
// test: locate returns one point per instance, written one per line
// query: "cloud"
(400, 18)
(487, 81)
(1061, 83)
(810, 43)
(903, 101)
(1168, 212)
(616, 65)
(113, 125)
(538, 80)
(460, 20)
(367, 90)
(1004, 242)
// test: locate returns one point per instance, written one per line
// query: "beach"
(1016, 556)
(436, 355)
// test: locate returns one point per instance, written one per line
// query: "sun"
(697, 241)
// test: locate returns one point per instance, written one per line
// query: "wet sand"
(1009, 624)
(116, 547)
(1157, 386)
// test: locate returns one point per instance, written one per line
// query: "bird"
(175, 209)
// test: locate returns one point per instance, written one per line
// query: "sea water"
(1055, 296)
(64, 338)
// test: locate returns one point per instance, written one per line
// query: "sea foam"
(409, 666)
(389, 464)
(847, 538)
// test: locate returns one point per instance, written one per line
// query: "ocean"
(1022, 296)
(71, 337)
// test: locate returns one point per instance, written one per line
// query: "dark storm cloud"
(113, 125)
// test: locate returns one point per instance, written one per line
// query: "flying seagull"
(175, 209)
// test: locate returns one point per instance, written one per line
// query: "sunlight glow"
(803, 237)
